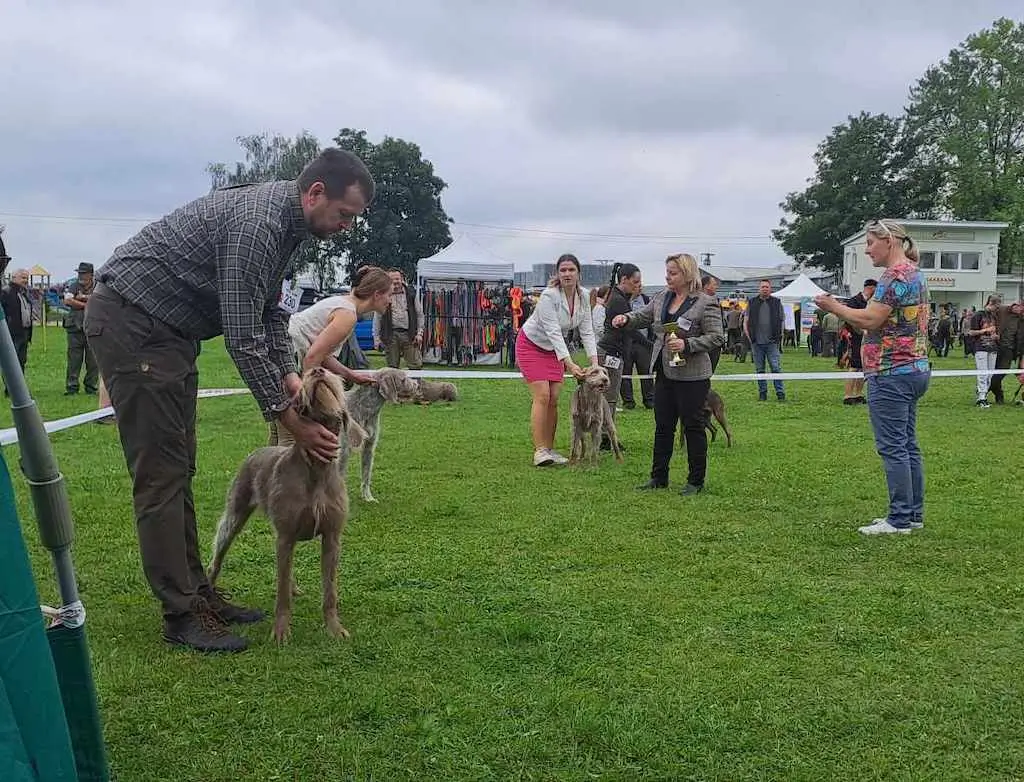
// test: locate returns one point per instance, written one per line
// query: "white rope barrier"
(10, 436)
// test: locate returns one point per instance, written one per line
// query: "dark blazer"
(705, 333)
(777, 317)
(11, 303)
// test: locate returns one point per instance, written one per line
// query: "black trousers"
(637, 358)
(150, 372)
(1004, 360)
(80, 352)
(680, 401)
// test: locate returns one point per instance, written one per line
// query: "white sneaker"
(542, 458)
(557, 457)
(913, 524)
(883, 527)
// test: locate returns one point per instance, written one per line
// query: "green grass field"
(515, 623)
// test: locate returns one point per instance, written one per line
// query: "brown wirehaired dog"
(714, 405)
(436, 392)
(365, 404)
(592, 417)
(300, 496)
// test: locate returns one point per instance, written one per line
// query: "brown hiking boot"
(229, 613)
(202, 630)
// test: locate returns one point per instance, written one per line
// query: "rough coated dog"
(714, 405)
(365, 404)
(429, 391)
(592, 417)
(301, 497)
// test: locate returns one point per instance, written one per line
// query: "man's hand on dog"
(316, 440)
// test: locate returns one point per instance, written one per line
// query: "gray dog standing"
(301, 497)
(592, 417)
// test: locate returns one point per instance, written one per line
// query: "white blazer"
(551, 323)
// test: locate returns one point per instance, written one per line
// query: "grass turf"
(516, 623)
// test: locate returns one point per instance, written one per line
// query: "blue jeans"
(771, 352)
(892, 407)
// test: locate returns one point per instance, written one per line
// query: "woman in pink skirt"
(542, 355)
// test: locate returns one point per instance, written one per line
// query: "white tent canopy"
(465, 259)
(801, 288)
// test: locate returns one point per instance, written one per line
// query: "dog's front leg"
(576, 453)
(330, 548)
(595, 443)
(283, 607)
(367, 459)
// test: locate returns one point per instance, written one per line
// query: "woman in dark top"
(614, 345)
(680, 388)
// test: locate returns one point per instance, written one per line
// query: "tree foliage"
(968, 114)
(404, 223)
(957, 152)
(861, 173)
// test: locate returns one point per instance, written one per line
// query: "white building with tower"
(958, 259)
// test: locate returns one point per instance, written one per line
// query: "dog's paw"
(282, 631)
(336, 629)
(296, 591)
(367, 497)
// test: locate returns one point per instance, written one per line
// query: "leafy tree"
(268, 158)
(862, 172)
(968, 114)
(406, 221)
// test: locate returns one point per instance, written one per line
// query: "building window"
(949, 261)
(970, 262)
(928, 260)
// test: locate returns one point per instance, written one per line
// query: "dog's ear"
(388, 386)
(354, 433)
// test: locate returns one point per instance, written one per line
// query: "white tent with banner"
(801, 288)
(463, 289)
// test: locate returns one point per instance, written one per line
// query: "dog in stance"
(430, 391)
(714, 405)
(302, 498)
(365, 404)
(592, 417)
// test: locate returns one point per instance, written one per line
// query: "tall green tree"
(862, 172)
(406, 221)
(967, 114)
(271, 157)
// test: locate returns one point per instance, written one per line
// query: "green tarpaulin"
(35, 744)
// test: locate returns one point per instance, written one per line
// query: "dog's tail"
(237, 510)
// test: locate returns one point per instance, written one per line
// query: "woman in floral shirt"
(894, 352)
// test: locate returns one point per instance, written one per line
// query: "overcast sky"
(608, 129)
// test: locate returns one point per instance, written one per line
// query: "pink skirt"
(536, 363)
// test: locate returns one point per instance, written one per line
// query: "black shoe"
(762, 399)
(781, 397)
(229, 613)
(630, 405)
(689, 490)
(849, 400)
(649, 405)
(652, 484)
(202, 630)
(71, 392)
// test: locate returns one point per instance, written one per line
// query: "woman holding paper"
(687, 323)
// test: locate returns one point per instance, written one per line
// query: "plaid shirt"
(215, 266)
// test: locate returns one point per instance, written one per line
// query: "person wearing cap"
(76, 296)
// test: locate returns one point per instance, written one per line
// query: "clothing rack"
(468, 321)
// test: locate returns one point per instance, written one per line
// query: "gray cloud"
(656, 119)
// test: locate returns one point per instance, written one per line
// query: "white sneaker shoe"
(557, 457)
(883, 527)
(542, 457)
(913, 524)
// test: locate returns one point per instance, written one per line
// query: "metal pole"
(47, 486)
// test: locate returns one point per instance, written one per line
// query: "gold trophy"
(675, 360)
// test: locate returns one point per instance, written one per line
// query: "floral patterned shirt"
(900, 345)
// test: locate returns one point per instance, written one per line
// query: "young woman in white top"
(319, 331)
(543, 357)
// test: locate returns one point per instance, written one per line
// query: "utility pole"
(706, 257)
